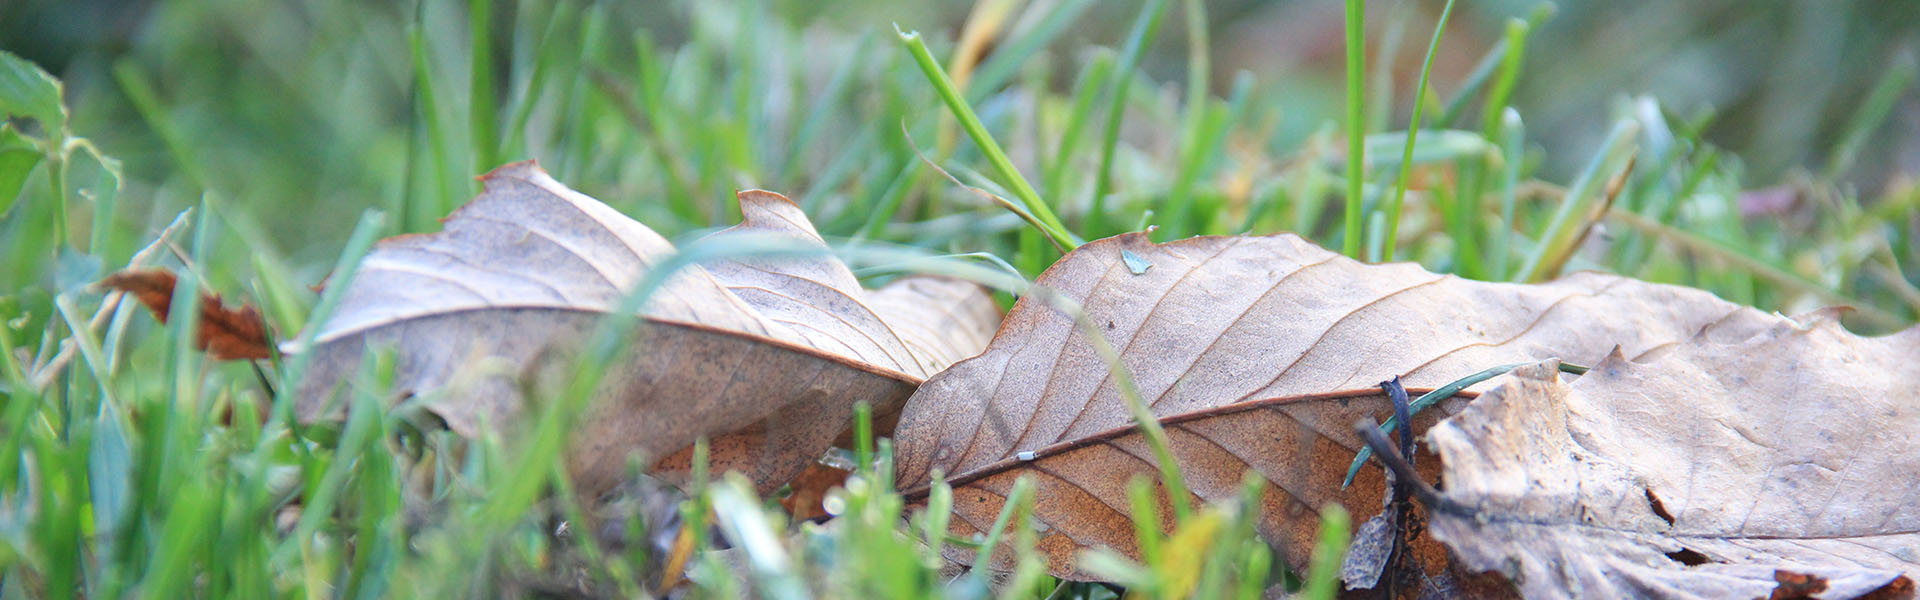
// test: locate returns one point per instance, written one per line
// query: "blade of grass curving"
(995, 195)
(1002, 165)
(885, 259)
(1413, 129)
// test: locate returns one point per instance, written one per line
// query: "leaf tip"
(518, 170)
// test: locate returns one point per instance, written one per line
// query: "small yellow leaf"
(1180, 563)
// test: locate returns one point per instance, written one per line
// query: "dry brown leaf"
(1783, 464)
(224, 333)
(1230, 339)
(767, 356)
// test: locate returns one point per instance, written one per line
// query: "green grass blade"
(1323, 577)
(370, 225)
(1093, 78)
(1413, 129)
(420, 216)
(1512, 136)
(146, 101)
(1872, 113)
(1356, 122)
(484, 131)
(1002, 165)
(546, 53)
(832, 97)
(1138, 38)
(1567, 221)
(1009, 56)
(1022, 488)
(1515, 40)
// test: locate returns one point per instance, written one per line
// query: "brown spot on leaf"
(1796, 585)
(1658, 508)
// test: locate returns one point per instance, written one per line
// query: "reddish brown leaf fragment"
(224, 333)
(810, 491)
(1796, 585)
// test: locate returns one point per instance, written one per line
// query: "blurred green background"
(273, 92)
(296, 116)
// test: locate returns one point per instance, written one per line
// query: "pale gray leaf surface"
(1223, 321)
(765, 355)
(1793, 452)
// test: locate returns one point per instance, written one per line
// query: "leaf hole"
(1688, 557)
(1659, 509)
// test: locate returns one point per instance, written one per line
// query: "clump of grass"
(143, 470)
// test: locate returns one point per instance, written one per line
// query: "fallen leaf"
(1255, 353)
(766, 356)
(1781, 466)
(224, 333)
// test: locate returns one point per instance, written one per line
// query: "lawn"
(1758, 151)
